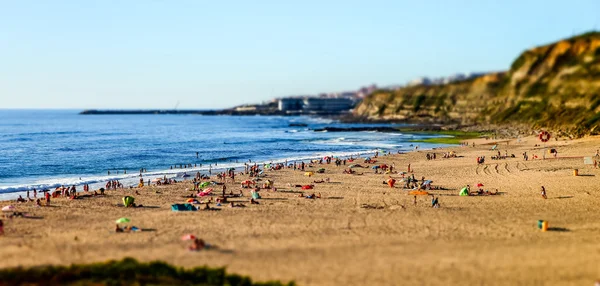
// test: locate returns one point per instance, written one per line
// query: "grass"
(456, 136)
(125, 272)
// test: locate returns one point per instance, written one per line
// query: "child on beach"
(544, 193)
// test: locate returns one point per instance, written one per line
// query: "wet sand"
(487, 240)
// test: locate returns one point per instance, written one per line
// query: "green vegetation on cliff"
(554, 86)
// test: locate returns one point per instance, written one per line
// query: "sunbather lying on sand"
(199, 244)
(313, 196)
(321, 181)
(126, 229)
(238, 205)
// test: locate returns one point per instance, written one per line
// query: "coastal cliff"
(555, 86)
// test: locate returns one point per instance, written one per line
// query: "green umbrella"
(204, 184)
(123, 220)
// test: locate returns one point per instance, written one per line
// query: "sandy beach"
(474, 240)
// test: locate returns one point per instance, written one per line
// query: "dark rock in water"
(298, 124)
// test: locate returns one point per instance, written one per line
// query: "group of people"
(111, 185)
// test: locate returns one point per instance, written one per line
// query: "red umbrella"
(479, 185)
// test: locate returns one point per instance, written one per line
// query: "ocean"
(48, 148)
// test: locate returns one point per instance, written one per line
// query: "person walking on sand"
(544, 193)
(415, 201)
(409, 168)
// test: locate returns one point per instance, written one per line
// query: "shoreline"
(132, 178)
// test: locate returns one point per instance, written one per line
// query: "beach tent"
(391, 182)
(463, 192)
(128, 201)
(183, 207)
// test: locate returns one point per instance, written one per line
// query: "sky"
(217, 54)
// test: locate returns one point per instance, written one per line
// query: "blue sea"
(48, 148)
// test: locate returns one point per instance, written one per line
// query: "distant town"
(324, 104)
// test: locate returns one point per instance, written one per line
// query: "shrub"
(125, 272)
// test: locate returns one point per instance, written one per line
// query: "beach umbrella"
(188, 237)
(479, 185)
(123, 220)
(204, 184)
(156, 180)
(231, 169)
(375, 167)
(191, 200)
(8, 208)
(186, 175)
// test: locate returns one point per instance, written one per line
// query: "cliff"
(555, 86)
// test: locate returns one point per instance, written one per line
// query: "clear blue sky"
(212, 54)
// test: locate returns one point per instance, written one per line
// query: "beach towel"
(183, 207)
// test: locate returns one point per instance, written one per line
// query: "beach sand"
(477, 240)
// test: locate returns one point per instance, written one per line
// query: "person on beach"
(197, 245)
(415, 201)
(435, 202)
(544, 193)
(47, 196)
(1, 227)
